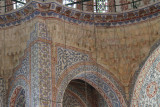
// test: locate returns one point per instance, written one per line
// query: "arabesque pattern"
(67, 58)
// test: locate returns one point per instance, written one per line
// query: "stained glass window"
(18, 3)
(100, 6)
(69, 1)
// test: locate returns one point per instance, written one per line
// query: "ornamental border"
(56, 10)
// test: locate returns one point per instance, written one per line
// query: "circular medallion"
(151, 89)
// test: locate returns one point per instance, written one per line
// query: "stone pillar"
(79, 6)
(9, 7)
(41, 82)
(2, 93)
(90, 6)
(111, 7)
(2, 9)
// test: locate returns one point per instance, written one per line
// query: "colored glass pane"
(18, 4)
(69, 1)
(100, 6)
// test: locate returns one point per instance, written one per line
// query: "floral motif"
(151, 89)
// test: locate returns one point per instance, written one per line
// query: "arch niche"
(98, 80)
(19, 94)
(146, 91)
(18, 98)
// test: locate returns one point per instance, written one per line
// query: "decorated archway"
(146, 89)
(18, 98)
(96, 78)
(19, 94)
